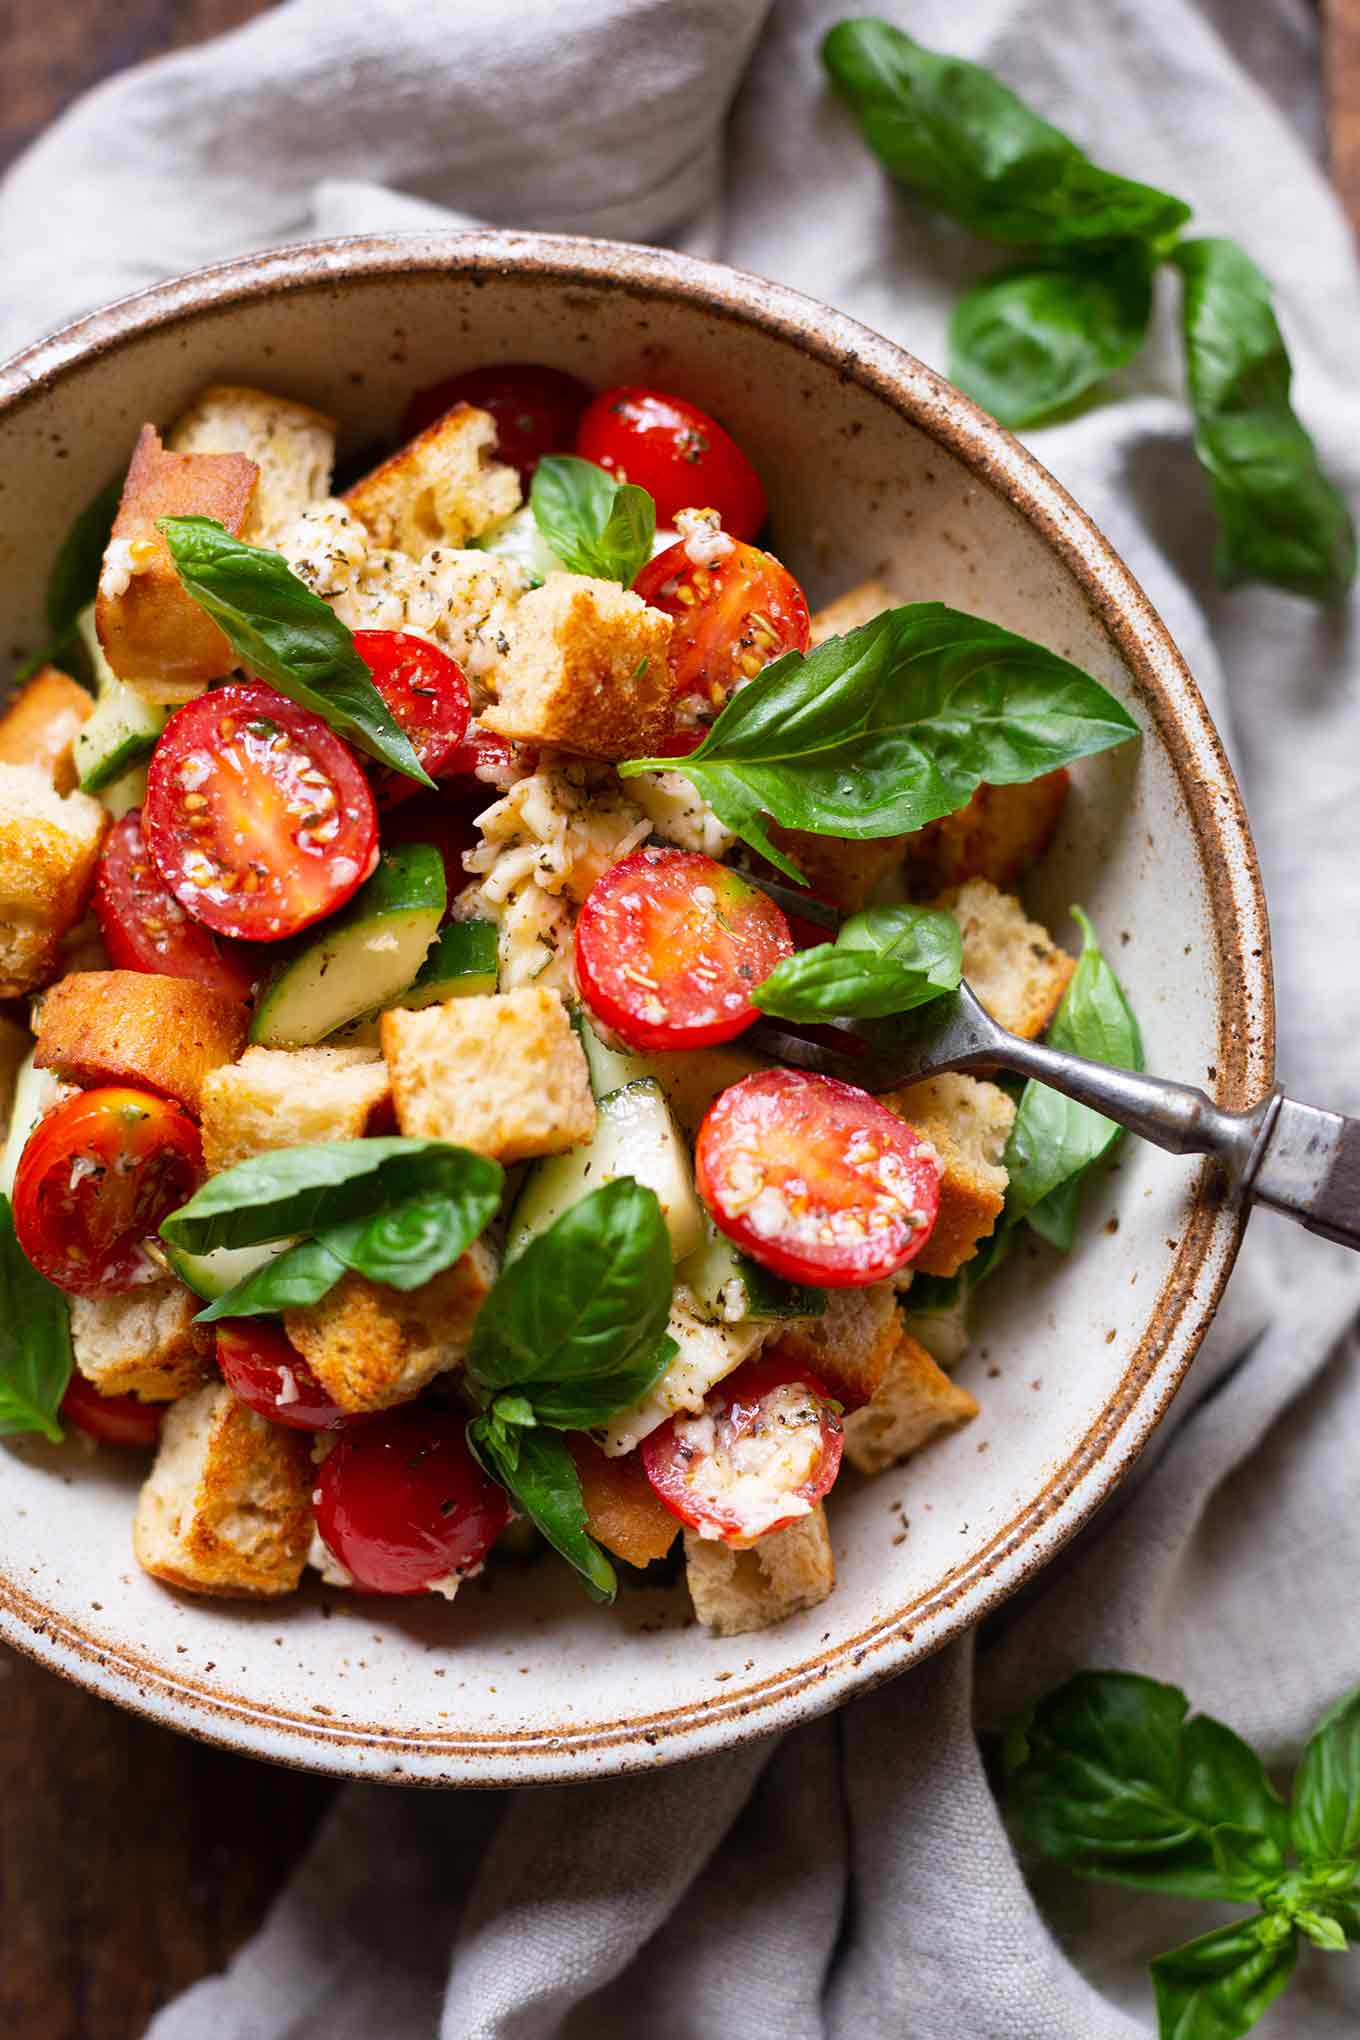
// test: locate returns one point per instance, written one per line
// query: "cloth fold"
(854, 1881)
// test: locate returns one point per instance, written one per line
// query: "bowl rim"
(1213, 1227)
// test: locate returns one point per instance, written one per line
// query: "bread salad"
(388, 879)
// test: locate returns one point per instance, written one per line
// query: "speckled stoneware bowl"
(873, 465)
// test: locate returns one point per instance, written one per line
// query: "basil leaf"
(1322, 1930)
(885, 729)
(1280, 519)
(74, 580)
(1028, 343)
(300, 1276)
(884, 960)
(1054, 1141)
(289, 636)
(582, 1308)
(35, 1341)
(1108, 1777)
(543, 1479)
(963, 141)
(1325, 1821)
(414, 1241)
(594, 524)
(1217, 1987)
(578, 1405)
(288, 1191)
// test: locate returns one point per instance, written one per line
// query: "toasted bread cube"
(442, 488)
(292, 445)
(842, 872)
(40, 724)
(587, 670)
(857, 605)
(142, 1343)
(914, 1402)
(49, 845)
(847, 1347)
(1000, 833)
(137, 1027)
(290, 1097)
(370, 1345)
(228, 1505)
(155, 636)
(503, 1075)
(1015, 967)
(623, 1510)
(736, 1591)
(967, 1122)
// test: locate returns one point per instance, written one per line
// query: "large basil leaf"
(594, 524)
(884, 960)
(286, 634)
(300, 1276)
(899, 722)
(539, 1471)
(1280, 519)
(960, 139)
(35, 1341)
(1325, 1819)
(1217, 1987)
(1030, 342)
(1108, 1777)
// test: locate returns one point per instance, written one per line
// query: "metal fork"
(1295, 1158)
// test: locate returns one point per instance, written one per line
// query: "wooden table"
(133, 1861)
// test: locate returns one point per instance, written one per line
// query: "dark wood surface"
(133, 1861)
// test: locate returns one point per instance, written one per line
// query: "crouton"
(843, 873)
(736, 1591)
(290, 1097)
(1000, 833)
(503, 1074)
(292, 445)
(587, 670)
(967, 1123)
(442, 488)
(370, 1345)
(1014, 965)
(49, 845)
(623, 1511)
(155, 636)
(848, 1346)
(228, 1505)
(913, 1403)
(849, 611)
(137, 1027)
(143, 1342)
(40, 724)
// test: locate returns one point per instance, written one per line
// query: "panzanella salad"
(389, 882)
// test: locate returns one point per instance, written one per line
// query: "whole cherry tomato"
(145, 928)
(731, 617)
(112, 1419)
(681, 456)
(263, 1367)
(536, 409)
(403, 1505)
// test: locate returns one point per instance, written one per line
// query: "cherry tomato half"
(764, 1450)
(669, 945)
(731, 618)
(95, 1179)
(112, 1419)
(265, 1369)
(815, 1179)
(536, 409)
(402, 1503)
(427, 694)
(681, 456)
(145, 928)
(258, 817)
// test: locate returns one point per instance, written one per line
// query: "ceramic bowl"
(873, 465)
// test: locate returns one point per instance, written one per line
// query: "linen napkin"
(855, 1878)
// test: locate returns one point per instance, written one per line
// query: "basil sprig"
(74, 580)
(884, 960)
(1030, 342)
(1279, 518)
(594, 524)
(286, 634)
(573, 1332)
(35, 1341)
(893, 725)
(1111, 1776)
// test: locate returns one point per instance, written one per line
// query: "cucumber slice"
(35, 1092)
(363, 959)
(122, 729)
(634, 1135)
(518, 538)
(610, 1068)
(728, 1287)
(122, 794)
(463, 963)
(691, 1078)
(212, 1275)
